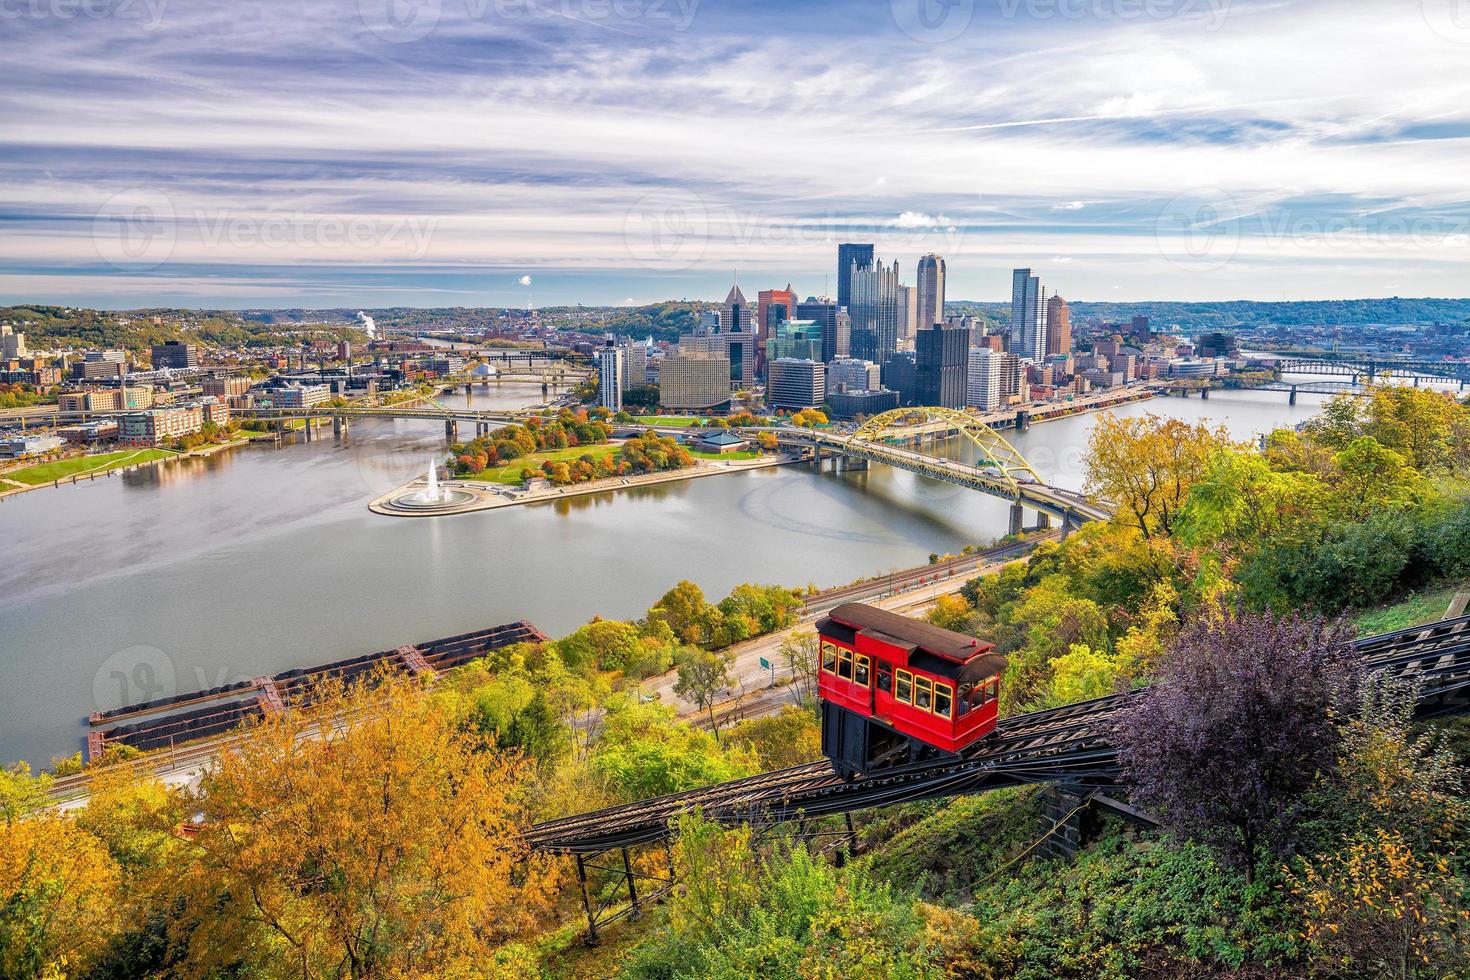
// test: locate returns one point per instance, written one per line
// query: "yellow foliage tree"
(58, 897)
(363, 834)
(1147, 465)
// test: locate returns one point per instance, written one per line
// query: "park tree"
(686, 612)
(605, 644)
(701, 679)
(363, 834)
(59, 898)
(798, 653)
(1238, 726)
(21, 792)
(1147, 466)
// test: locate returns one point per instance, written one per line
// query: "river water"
(203, 572)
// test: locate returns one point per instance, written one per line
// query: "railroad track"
(1069, 743)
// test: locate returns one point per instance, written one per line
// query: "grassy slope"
(62, 469)
(1422, 607)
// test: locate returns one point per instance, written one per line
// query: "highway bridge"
(1370, 368)
(1000, 471)
(1071, 746)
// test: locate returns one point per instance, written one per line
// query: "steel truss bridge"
(1000, 471)
(1370, 368)
(1070, 746)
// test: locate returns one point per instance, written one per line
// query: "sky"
(372, 153)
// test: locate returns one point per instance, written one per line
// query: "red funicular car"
(895, 689)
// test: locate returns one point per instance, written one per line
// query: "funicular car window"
(943, 699)
(923, 693)
(844, 664)
(905, 690)
(829, 658)
(860, 671)
(885, 676)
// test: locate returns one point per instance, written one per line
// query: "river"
(207, 571)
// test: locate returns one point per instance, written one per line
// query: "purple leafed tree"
(1241, 720)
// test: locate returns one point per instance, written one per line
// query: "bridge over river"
(1001, 470)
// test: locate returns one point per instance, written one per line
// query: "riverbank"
(106, 464)
(489, 496)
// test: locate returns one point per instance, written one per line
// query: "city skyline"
(478, 154)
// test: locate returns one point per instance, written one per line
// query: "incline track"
(1068, 744)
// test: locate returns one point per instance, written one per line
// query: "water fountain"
(433, 498)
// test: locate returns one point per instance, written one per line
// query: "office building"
(635, 364)
(739, 338)
(1028, 316)
(850, 257)
(12, 344)
(941, 365)
(694, 382)
(299, 396)
(175, 355)
(900, 375)
(796, 383)
(823, 310)
(772, 307)
(852, 404)
(28, 447)
(98, 365)
(1058, 326)
(160, 425)
(851, 374)
(709, 321)
(610, 376)
(799, 339)
(908, 316)
(929, 291)
(225, 387)
(874, 311)
(984, 382)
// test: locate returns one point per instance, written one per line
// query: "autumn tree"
(363, 834)
(21, 792)
(1238, 726)
(798, 654)
(59, 898)
(701, 679)
(1146, 466)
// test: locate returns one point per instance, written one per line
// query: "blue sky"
(369, 153)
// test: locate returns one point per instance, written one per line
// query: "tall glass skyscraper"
(1028, 316)
(930, 286)
(873, 307)
(850, 255)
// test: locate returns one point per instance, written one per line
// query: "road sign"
(765, 664)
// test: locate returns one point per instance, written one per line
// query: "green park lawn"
(675, 421)
(510, 473)
(63, 469)
(748, 454)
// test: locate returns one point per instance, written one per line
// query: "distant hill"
(1235, 313)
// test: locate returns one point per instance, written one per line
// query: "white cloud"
(524, 280)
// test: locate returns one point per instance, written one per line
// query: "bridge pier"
(1291, 399)
(1018, 519)
(1204, 394)
(339, 426)
(1023, 421)
(451, 430)
(1066, 817)
(851, 464)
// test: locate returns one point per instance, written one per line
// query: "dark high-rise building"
(930, 291)
(739, 337)
(824, 311)
(175, 354)
(941, 366)
(899, 374)
(850, 255)
(1028, 316)
(874, 312)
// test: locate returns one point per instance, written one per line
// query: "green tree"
(701, 679)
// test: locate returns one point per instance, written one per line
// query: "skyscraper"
(930, 287)
(1028, 316)
(822, 309)
(772, 307)
(941, 366)
(908, 315)
(848, 256)
(797, 339)
(610, 376)
(986, 371)
(739, 337)
(1058, 326)
(874, 311)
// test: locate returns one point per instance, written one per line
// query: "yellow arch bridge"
(896, 438)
